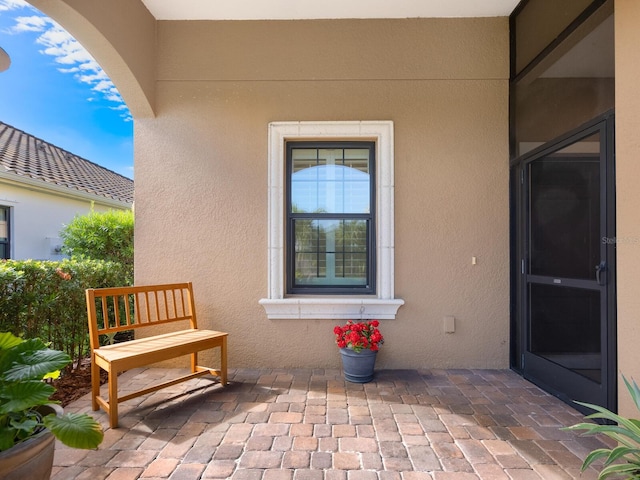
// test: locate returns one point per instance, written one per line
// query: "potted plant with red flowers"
(359, 343)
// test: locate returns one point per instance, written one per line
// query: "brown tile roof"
(28, 156)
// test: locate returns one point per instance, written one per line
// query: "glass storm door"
(568, 269)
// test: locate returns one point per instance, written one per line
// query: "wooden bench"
(119, 309)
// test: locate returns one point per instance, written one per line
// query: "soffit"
(313, 9)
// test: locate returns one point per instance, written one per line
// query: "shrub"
(45, 299)
(101, 236)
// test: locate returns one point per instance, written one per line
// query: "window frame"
(382, 304)
(7, 242)
(370, 286)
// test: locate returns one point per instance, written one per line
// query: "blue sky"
(56, 91)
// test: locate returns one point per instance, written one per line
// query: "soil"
(74, 384)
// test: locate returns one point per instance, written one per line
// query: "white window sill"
(344, 308)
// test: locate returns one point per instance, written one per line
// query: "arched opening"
(107, 32)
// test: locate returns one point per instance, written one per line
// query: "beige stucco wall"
(201, 175)
(627, 18)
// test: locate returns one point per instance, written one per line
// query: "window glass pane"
(570, 87)
(330, 252)
(4, 228)
(539, 23)
(565, 327)
(335, 180)
(565, 212)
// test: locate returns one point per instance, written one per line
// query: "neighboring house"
(446, 167)
(42, 188)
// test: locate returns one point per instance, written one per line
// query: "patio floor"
(312, 425)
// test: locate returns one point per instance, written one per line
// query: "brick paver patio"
(312, 425)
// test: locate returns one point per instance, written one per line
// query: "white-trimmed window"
(330, 224)
(379, 301)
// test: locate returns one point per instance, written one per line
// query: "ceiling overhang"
(327, 9)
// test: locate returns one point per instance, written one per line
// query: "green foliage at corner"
(46, 299)
(622, 461)
(24, 365)
(101, 236)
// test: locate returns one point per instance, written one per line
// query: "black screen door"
(568, 267)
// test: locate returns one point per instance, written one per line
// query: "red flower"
(358, 336)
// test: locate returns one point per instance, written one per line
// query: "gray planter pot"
(358, 366)
(33, 458)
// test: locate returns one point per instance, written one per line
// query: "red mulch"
(75, 384)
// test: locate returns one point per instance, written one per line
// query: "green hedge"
(46, 299)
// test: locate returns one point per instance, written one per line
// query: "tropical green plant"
(626, 433)
(25, 365)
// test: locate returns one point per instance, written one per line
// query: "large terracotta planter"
(358, 366)
(33, 458)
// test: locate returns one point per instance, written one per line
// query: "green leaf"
(620, 469)
(593, 456)
(8, 340)
(631, 429)
(36, 365)
(630, 438)
(25, 395)
(633, 390)
(6, 438)
(24, 428)
(76, 430)
(620, 452)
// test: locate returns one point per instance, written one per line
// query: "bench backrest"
(116, 309)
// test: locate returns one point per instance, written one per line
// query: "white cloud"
(65, 50)
(6, 5)
(104, 86)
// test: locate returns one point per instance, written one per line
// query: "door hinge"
(522, 361)
(521, 177)
(522, 266)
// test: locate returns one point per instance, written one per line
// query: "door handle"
(600, 271)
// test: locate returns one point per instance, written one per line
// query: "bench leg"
(113, 399)
(223, 361)
(194, 362)
(95, 384)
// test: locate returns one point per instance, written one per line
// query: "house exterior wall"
(627, 37)
(201, 176)
(37, 217)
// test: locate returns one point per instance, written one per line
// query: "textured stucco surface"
(201, 167)
(627, 18)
